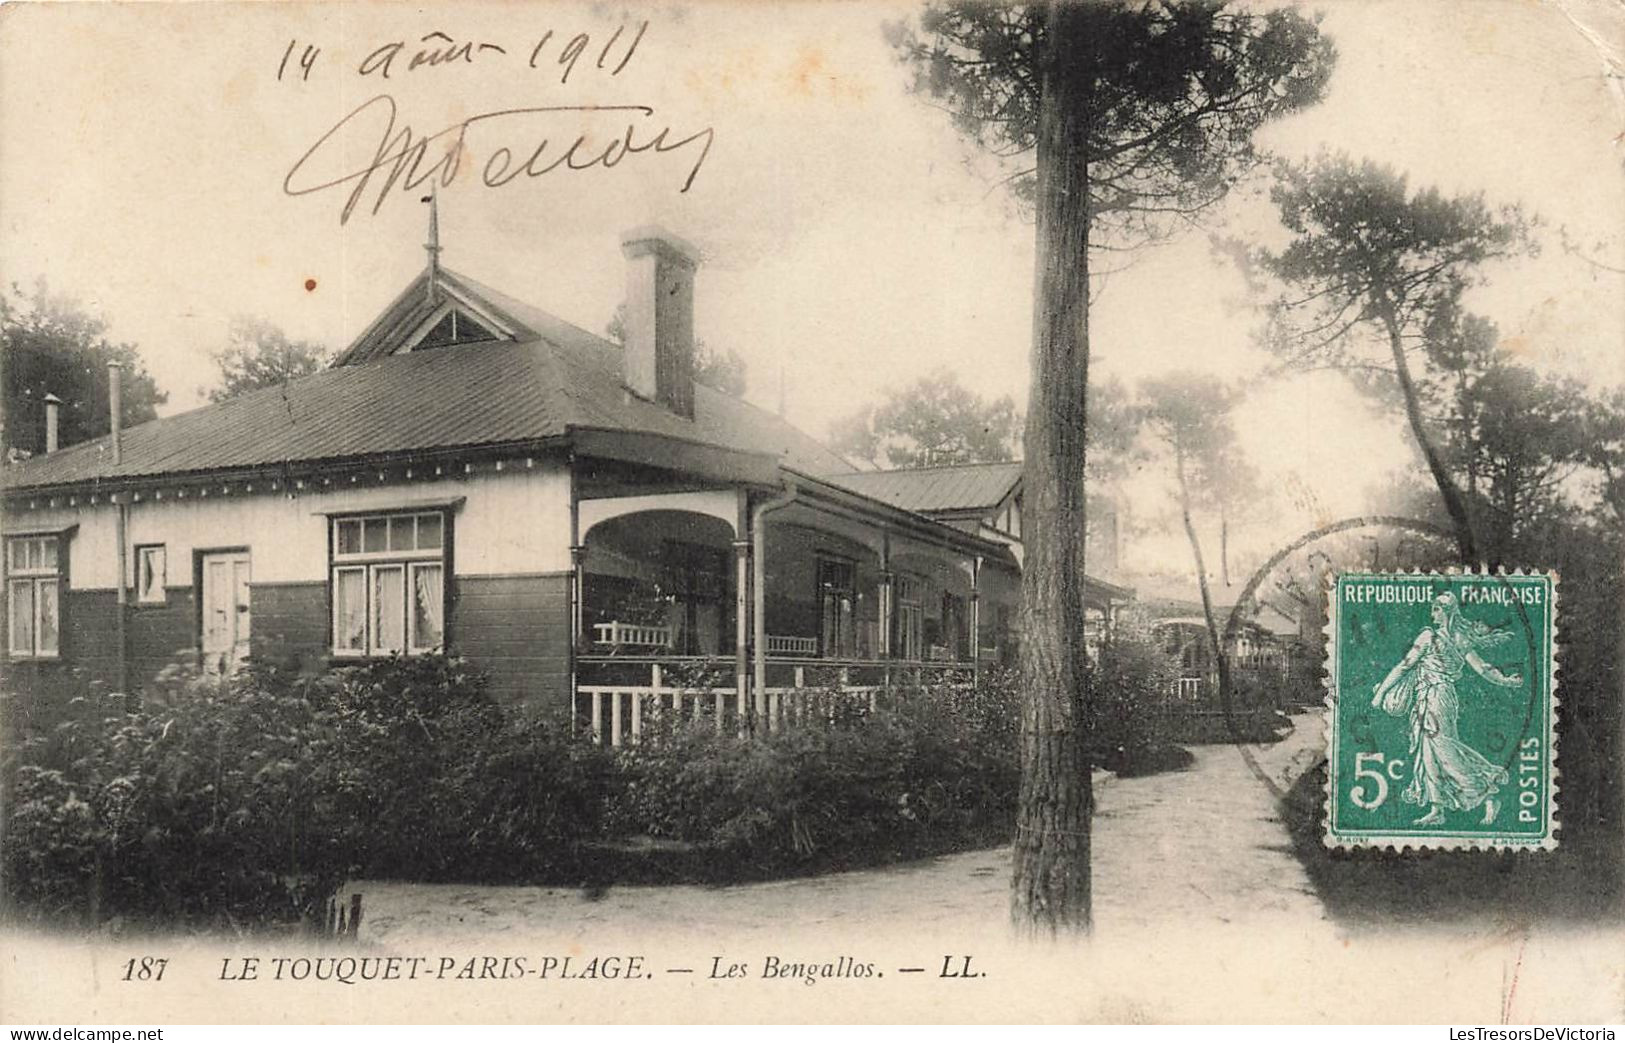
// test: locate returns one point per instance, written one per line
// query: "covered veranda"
(757, 607)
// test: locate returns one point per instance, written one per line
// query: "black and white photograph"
(913, 511)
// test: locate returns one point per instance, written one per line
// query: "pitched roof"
(551, 378)
(957, 487)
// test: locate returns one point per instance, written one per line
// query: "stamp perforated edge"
(1397, 843)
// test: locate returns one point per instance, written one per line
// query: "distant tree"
(935, 420)
(722, 369)
(854, 437)
(1606, 453)
(1460, 349)
(1512, 437)
(51, 345)
(1369, 267)
(1114, 427)
(1532, 434)
(1190, 416)
(1138, 116)
(260, 355)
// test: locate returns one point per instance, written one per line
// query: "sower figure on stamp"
(1448, 774)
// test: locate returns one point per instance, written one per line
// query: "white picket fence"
(620, 713)
(1186, 689)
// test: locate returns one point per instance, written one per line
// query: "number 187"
(147, 968)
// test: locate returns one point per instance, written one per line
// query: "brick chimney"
(658, 357)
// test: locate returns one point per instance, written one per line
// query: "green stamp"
(1442, 726)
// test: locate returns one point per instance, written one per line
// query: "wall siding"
(290, 624)
(161, 635)
(518, 629)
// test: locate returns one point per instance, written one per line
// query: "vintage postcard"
(541, 512)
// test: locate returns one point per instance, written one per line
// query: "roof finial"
(433, 245)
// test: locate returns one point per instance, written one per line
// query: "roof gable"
(451, 325)
(418, 311)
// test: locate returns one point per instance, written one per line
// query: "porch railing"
(636, 634)
(623, 708)
(620, 711)
(782, 644)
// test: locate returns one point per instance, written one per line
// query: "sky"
(851, 237)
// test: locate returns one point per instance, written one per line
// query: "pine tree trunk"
(1050, 886)
(1221, 664)
(1454, 505)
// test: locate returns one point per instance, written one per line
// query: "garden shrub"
(1128, 685)
(931, 769)
(439, 781)
(213, 806)
(510, 797)
(250, 801)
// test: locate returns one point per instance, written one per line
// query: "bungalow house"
(1263, 650)
(476, 475)
(985, 499)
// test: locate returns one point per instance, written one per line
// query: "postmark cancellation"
(1441, 725)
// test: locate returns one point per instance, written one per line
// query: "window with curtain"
(34, 595)
(389, 584)
(150, 568)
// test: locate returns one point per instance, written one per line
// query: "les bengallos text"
(357, 970)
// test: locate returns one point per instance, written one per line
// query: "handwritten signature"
(403, 157)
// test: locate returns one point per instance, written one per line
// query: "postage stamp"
(1442, 697)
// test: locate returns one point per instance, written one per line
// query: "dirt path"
(1201, 846)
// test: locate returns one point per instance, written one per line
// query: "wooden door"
(225, 610)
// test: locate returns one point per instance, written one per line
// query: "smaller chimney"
(658, 357)
(115, 408)
(53, 410)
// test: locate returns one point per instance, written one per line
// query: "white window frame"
(338, 641)
(407, 561)
(413, 645)
(378, 612)
(161, 596)
(33, 578)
